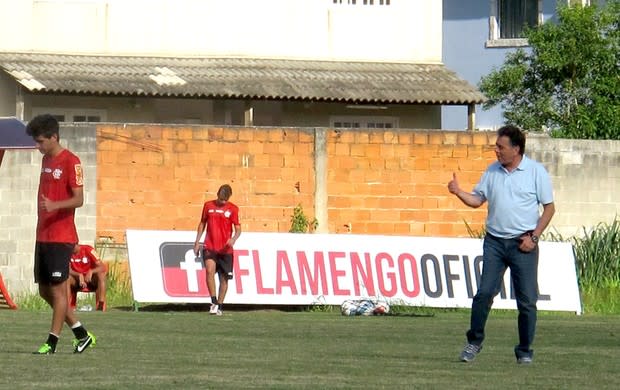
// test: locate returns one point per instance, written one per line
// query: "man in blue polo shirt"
(514, 186)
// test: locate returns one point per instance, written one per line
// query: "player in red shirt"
(87, 271)
(221, 218)
(60, 193)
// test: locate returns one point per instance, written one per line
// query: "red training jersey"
(86, 259)
(59, 175)
(220, 222)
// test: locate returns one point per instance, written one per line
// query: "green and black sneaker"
(80, 345)
(45, 349)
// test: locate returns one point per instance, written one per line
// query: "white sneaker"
(214, 309)
(219, 312)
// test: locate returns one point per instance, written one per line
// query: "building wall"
(319, 29)
(200, 111)
(307, 114)
(373, 182)
(7, 94)
(409, 31)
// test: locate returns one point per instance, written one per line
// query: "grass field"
(185, 348)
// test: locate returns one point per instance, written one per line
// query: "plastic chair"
(73, 296)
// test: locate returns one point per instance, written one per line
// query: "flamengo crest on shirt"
(287, 268)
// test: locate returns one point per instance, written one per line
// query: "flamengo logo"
(182, 273)
(300, 269)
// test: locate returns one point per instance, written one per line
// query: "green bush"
(31, 301)
(119, 291)
(300, 223)
(597, 254)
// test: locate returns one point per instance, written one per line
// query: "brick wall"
(377, 182)
(155, 177)
(394, 182)
(390, 182)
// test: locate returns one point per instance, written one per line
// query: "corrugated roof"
(240, 78)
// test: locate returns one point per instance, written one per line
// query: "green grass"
(180, 347)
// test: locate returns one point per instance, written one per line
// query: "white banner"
(301, 269)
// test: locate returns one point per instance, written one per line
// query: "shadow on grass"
(410, 315)
(204, 307)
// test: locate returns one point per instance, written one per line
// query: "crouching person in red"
(87, 273)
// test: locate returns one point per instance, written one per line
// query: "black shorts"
(51, 262)
(223, 262)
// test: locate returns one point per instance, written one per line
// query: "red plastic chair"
(73, 296)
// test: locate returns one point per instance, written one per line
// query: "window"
(514, 15)
(362, 2)
(364, 122)
(72, 114)
(508, 19)
(86, 118)
(346, 124)
(379, 125)
(377, 2)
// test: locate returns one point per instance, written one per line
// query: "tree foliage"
(568, 81)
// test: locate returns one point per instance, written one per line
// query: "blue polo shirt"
(514, 197)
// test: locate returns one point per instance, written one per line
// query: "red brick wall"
(378, 182)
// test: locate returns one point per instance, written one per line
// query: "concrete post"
(320, 179)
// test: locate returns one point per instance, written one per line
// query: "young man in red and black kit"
(221, 218)
(87, 271)
(60, 193)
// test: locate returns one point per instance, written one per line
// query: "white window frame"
(70, 113)
(364, 122)
(494, 32)
(496, 41)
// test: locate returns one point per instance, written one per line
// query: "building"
(336, 63)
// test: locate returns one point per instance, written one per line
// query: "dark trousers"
(499, 254)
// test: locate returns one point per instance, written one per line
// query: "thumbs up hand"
(453, 185)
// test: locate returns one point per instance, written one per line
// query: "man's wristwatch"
(534, 238)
